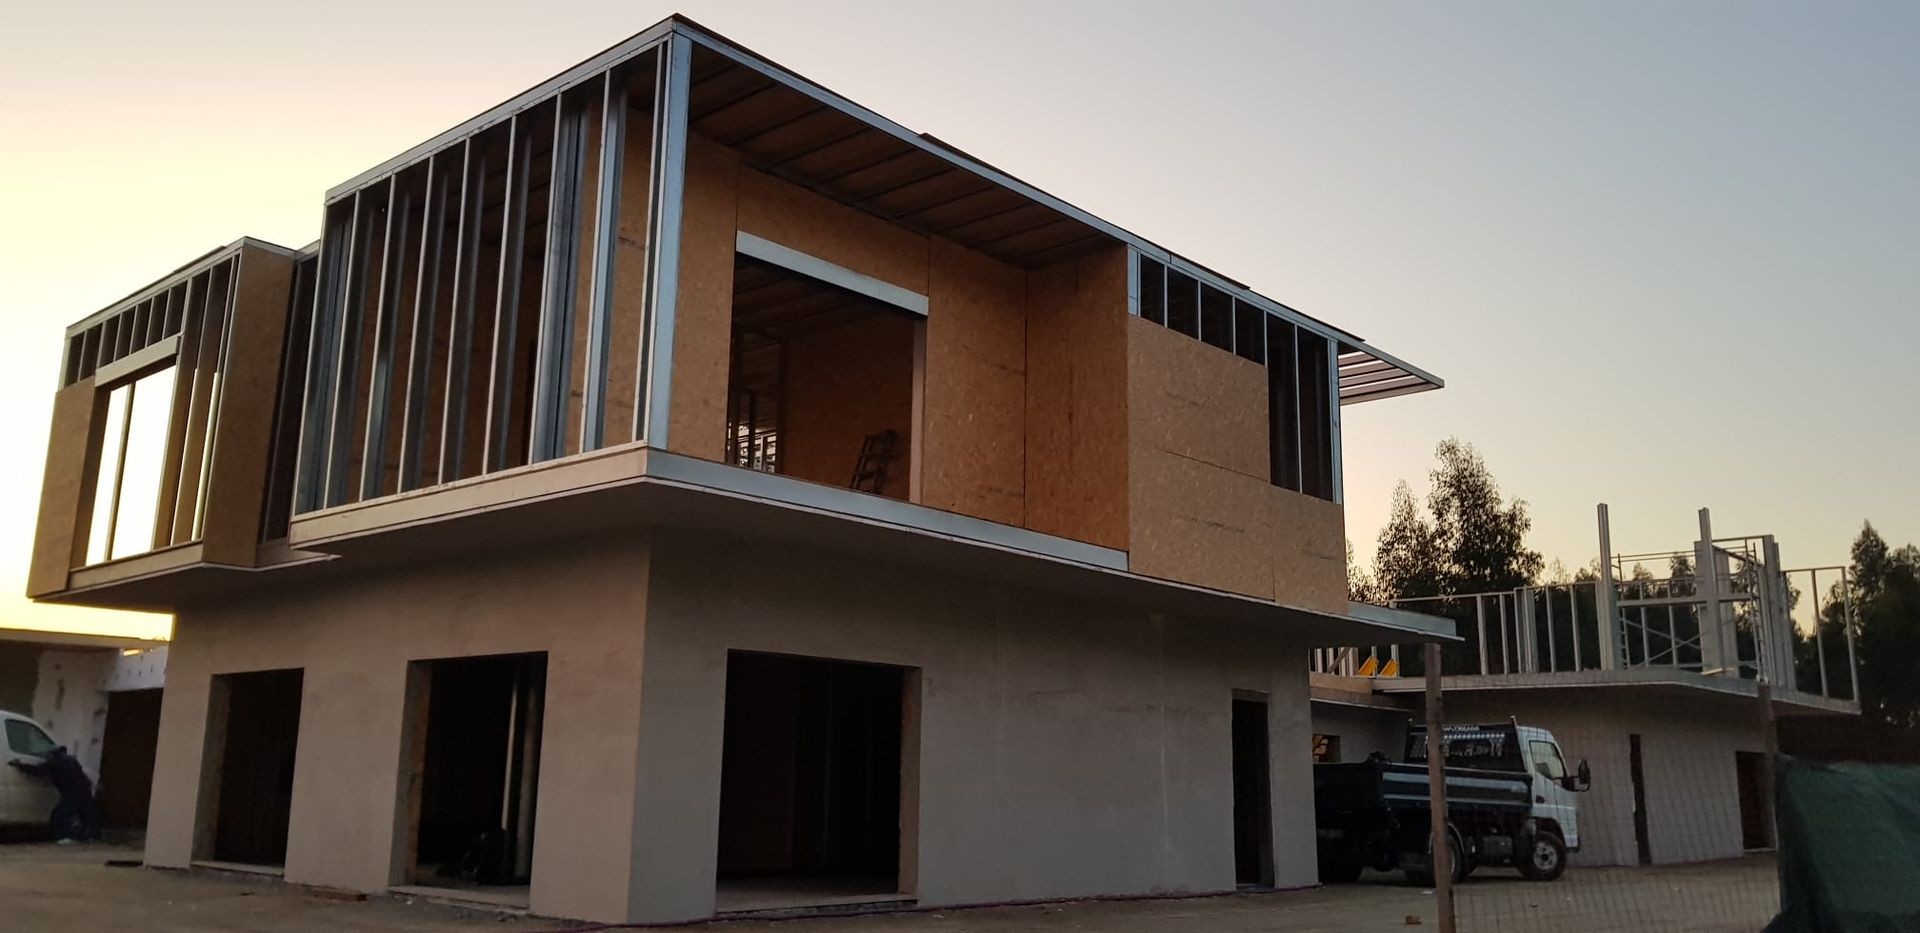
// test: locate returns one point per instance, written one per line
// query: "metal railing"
(1793, 633)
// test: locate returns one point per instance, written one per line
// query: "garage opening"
(126, 758)
(810, 783)
(253, 730)
(821, 382)
(1252, 795)
(474, 743)
(1756, 824)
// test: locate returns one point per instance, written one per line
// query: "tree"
(1886, 606)
(1468, 540)
(1409, 562)
(1360, 585)
(1474, 542)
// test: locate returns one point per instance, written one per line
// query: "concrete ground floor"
(45, 887)
(1676, 770)
(670, 727)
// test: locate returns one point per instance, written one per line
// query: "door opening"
(1642, 844)
(1252, 795)
(810, 783)
(1756, 824)
(247, 773)
(478, 765)
(126, 758)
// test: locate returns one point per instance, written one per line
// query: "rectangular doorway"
(1252, 794)
(1636, 767)
(126, 758)
(811, 783)
(1756, 824)
(253, 728)
(472, 764)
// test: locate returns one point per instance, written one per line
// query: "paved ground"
(46, 887)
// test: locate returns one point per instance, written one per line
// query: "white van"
(24, 799)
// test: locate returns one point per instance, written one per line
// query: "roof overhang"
(1368, 375)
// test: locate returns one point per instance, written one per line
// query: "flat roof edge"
(1435, 628)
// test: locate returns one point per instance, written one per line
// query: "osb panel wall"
(66, 489)
(1203, 508)
(799, 219)
(974, 422)
(1076, 399)
(703, 329)
(1024, 397)
(236, 488)
(842, 385)
(1309, 550)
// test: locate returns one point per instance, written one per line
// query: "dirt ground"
(47, 887)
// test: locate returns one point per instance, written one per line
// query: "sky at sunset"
(1666, 255)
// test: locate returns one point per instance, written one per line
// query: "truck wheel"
(1545, 857)
(1422, 873)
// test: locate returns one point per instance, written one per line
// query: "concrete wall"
(1688, 740)
(1066, 749)
(1362, 730)
(583, 603)
(70, 699)
(144, 670)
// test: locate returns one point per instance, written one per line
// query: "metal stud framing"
(404, 303)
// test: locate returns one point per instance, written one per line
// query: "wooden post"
(1769, 758)
(1437, 804)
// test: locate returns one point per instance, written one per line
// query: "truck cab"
(1554, 786)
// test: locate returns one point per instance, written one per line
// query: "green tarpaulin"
(1849, 848)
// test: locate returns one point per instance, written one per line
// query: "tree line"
(1465, 537)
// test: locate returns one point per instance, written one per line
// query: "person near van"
(74, 816)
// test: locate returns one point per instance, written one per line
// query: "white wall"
(142, 670)
(1688, 739)
(70, 699)
(1362, 730)
(1067, 749)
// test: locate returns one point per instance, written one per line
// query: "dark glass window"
(1153, 291)
(1216, 317)
(1183, 303)
(1249, 332)
(1316, 417)
(1283, 405)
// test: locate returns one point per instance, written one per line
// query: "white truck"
(1510, 801)
(24, 799)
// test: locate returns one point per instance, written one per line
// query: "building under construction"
(681, 491)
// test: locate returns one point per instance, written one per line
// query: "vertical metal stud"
(553, 360)
(1333, 420)
(386, 328)
(466, 257)
(606, 233)
(506, 307)
(669, 171)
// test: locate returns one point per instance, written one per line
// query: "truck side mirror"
(1580, 780)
